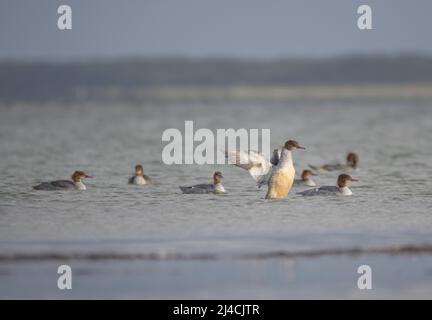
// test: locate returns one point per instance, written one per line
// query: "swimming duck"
(352, 160)
(306, 179)
(215, 187)
(76, 183)
(282, 174)
(341, 189)
(139, 178)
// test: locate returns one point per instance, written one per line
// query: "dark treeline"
(45, 80)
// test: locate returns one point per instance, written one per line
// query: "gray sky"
(202, 28)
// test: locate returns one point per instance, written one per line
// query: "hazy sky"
(201, 28)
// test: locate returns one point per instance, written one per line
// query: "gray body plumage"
(325, 190)
(55, 185)
(199, 189)
(329, 167)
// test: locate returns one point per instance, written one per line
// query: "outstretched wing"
(254, 162)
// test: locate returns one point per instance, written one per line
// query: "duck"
(341, 189)
(76, 183)
(215, 187)
(283, 174)
(139, 178)
(306, 179)
(352, 161)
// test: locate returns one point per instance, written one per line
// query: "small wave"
(409, 249)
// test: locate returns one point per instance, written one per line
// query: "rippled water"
(391, 205)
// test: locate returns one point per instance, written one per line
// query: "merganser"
(282, 175)
(306, 179)
(341, 189)
(140, 178)
(258, 166)
(76, 183)
(216, 187)
(352, 164)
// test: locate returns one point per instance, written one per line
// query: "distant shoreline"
(422, 91)
(373, 76)
(208, 94)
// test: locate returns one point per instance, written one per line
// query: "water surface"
(391, 205)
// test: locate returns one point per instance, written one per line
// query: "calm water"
(391, 205)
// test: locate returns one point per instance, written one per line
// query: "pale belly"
(280, 184)
(80, 186)
(140, 181)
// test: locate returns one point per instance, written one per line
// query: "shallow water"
(391, 205)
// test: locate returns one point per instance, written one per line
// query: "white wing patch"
(254, 162)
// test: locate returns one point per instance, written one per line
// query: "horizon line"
(236, 58)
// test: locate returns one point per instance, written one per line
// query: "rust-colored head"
(292, 144)
(343, 180)
(217, 177)
(139, 170)
(306, 174)
(352, 159)
(78, 175)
